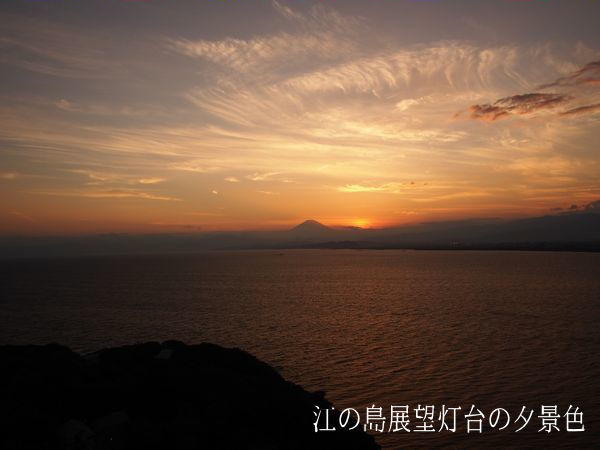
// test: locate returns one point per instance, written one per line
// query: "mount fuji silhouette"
(312, 230)
(311, 225)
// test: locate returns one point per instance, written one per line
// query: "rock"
(156, 396)
(75, 434)
(165, 353)
(113, 420)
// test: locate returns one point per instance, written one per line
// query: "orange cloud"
(581, 110)
(517, 104)
(590, 69)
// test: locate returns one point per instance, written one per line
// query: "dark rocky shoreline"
(156, 396)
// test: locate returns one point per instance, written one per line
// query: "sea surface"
(484, 328)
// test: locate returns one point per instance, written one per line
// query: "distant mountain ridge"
(569, 230)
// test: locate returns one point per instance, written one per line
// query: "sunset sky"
(226, 115)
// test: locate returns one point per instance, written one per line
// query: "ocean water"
(490, 329)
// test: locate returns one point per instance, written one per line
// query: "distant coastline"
(533, 246)
(577, 231)
(574, 247)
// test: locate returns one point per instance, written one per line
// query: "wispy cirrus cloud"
(100, 177)
(317, 38)
(392, 187)
(45, 47)
(9, 175)
(105, 193)
(280, 51)
(20, 215)
(261, 176)
(363, 100)
(153, 180)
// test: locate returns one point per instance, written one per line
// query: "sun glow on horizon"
(361, 223)
(316, 115)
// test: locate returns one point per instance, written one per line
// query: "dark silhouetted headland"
(156, 396)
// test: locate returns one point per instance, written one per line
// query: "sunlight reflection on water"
(497, 329)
